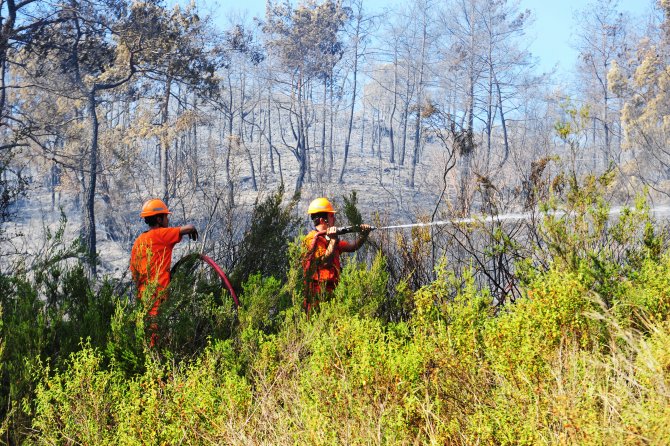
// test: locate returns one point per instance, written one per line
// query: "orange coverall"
(320, 275)
(150, 261)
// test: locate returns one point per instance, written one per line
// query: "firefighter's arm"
(365, 231)
(190, 231)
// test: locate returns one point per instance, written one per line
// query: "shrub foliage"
(581, 357)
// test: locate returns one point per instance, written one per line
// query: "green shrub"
(197, 308)
(79, 402)
(263, 249)
(126, 346)
(364, 289)
(581, 357)
(263, 301)
(556, 367)
(89, 404)
(44, 319)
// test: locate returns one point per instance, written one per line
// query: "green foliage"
(457, 373)
(350, 209)
(264, 247)
(576, 120)
(581, 357)
(526, 335)
(156, 407)
(48, 307)
(126, 344)
(44, 319)
(78, 402)
(263, 301)
(197, 309)
(363, 288)
(358, 381)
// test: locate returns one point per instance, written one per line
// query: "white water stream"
(657, 211)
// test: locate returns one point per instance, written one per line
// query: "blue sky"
(553, 29)
(551, 32)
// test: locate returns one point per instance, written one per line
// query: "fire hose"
(217, 269)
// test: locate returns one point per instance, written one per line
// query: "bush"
(263, 301)
(91, 404)
(44, 319)
(580, 357)
(264, 247)
(556, 367)
(363, 289)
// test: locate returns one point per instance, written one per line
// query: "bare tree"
(641, 83)
(189, 59)
(357, 36)
(301, 38)
(602, 38)
(421, 12)
(20, 24)
(490, 70)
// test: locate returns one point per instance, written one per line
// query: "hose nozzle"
(354, 228)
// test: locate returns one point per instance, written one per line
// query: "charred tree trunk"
(504, 126)
(405, 120)
(89, 235)
(301, 141)
(393, 109)
(330, 136)
(322, 165)
(165, 143)
(353, 103)
(240, 137)
(268, 129)
(419, 106)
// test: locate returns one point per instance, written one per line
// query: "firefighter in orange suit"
(151, 256)
(321, 263)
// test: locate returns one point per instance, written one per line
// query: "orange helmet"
(320, 205)
(154, 207)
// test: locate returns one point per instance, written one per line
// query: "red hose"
(215, 267)
(223, 277)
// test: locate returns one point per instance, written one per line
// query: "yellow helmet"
(154, 207)
(320, 205)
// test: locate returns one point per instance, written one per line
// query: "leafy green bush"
(46, 314)
(555, 367)
(263, 301)
(126, 345)
(91, 404)
(363, 288)
(580, 357)
(263, 249)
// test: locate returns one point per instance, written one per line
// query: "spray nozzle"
(354, 228)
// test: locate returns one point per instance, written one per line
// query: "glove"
(193, 235)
